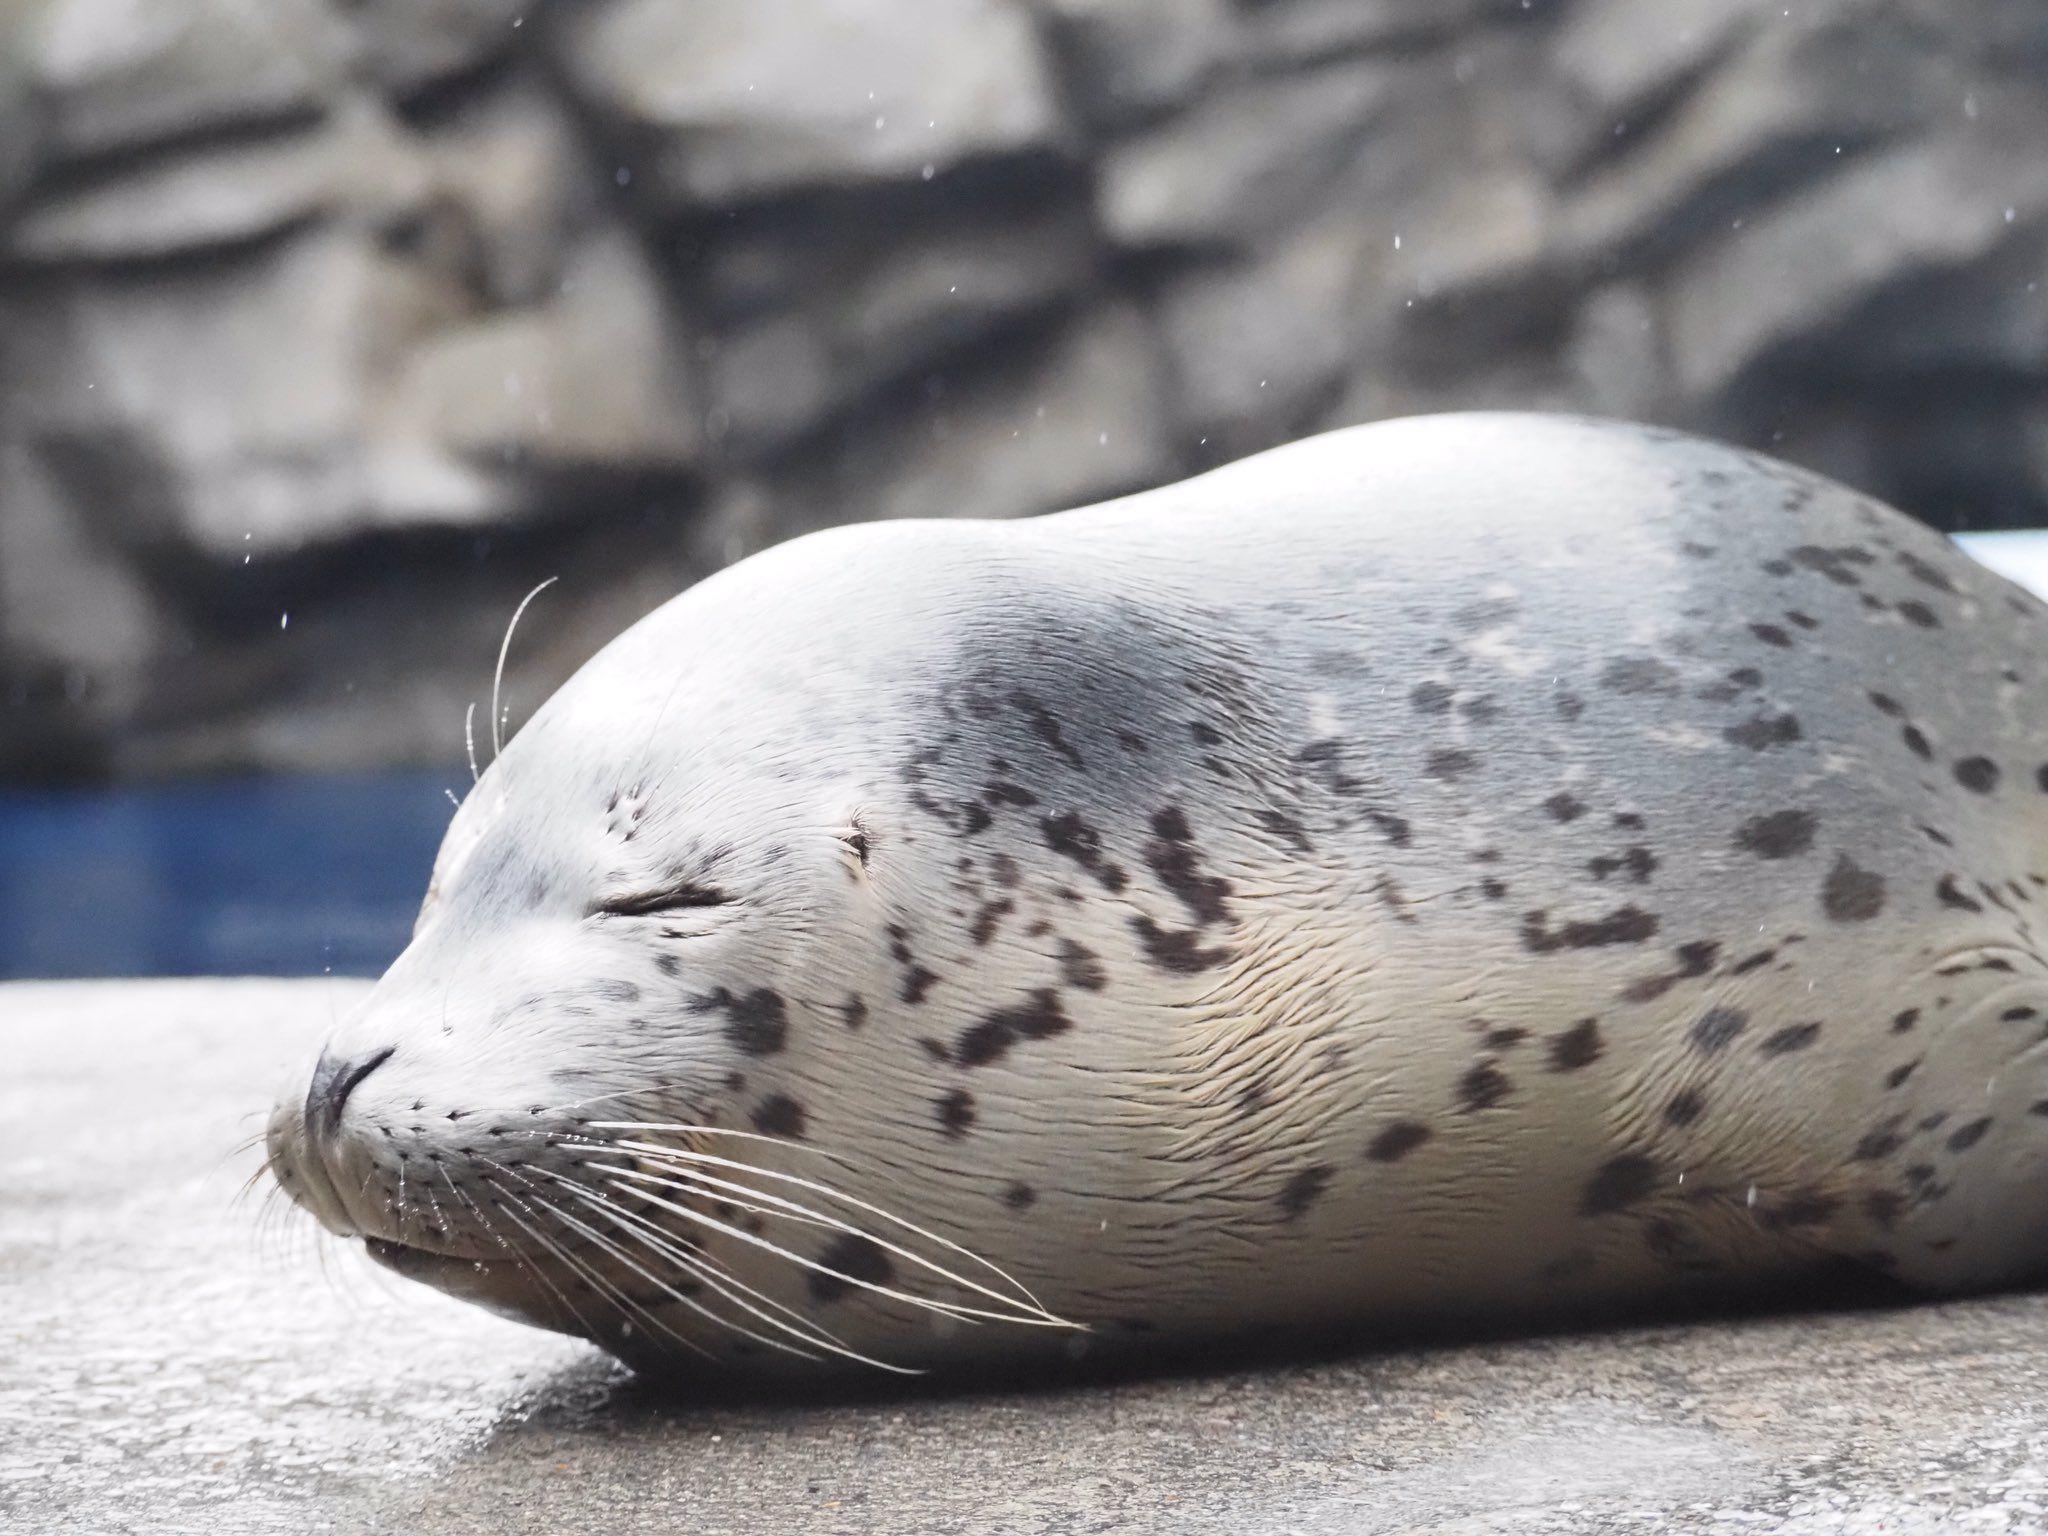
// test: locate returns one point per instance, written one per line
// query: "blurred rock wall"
(328, 327)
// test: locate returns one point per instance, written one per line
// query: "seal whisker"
(657, 1151)
(611, 1211)
(588, 1273)
(720, 1278)
(929, 1304)
(713, 1130)
(498, 678)
(592, 1236)
(694, 1305)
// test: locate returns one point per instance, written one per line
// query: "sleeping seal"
(1467, 867)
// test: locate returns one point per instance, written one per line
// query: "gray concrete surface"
(170, 1363)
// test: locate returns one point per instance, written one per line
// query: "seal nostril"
(333, 1082)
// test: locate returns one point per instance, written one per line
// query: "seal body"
(1466, 867)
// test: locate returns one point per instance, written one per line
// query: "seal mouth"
(416, 1263)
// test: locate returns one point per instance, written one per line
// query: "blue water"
(244, 876)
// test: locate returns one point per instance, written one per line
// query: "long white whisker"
(498, 679)
(724, 1282)
(656, 1151)
(469, 743)
(739, 1234)
(625, 1304)
(644, 1273)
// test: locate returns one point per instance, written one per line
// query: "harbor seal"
(1459, 868)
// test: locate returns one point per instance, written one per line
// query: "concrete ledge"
(173, 1362)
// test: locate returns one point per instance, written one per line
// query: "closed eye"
(672, 898)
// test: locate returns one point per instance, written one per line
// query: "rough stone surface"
(311, 307)
(175, 1361)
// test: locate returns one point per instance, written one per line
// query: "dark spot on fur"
(1620, 1183)
(1038, 1017)
(1002, 792)
(1071, 836)
(1449, 763)
(757, 1024)
(1044, 726)
(779, 1115)
(1484, 1086)
(1020, 1196)
(1577, 1047)
(1771, 634)
(854, 1010)
(1173, 859)
(1685, 1107)
(955, 1111)
(986, 920)
(1397, 1141)
(1175, 949)
(1922, 571)
(1762, 732)
(1887, 705)
(1716, 1027)
(1794, 1037)
(1780, 835)
(1287, 829)
(1964, 1137)
(1080, 968)
(1639, 674)
(1624, 925)
(1902, 1022)
(1638, 861)
(1204, 735)
(854, 1260)
(1979, 775)
(1563, 806)
(1896, 1078)
(1916, 742)
(1393, 828)
(916, 983)
(1694, 959)
(1303, 1189)
(1430, 698)
(1852, 894)
(1916, 612)
(1834, 563)
(1952, 895)
(1801, 1208)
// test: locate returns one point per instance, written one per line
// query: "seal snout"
(334, 1079)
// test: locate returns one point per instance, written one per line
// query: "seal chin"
(502, 1286)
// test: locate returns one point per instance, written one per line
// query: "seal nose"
(333, 1082)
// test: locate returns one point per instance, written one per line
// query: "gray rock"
(1287, 33)
(181, 200)
(1785, 109)
(512, 183)
(1127, 61)
(241, 407)
(411, 46)
(1249, 155)
(1790, 278)
(116, 75)
(880, 299)
(592, 383)
(1622, 56)
(1070, 416)
(730, 101)
(1259, 343)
